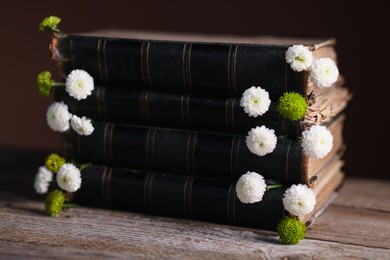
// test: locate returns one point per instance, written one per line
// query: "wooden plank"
(25, 231)
(367, 194)
(352, 226)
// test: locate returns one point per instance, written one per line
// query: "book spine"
(182, 66)
(183, 152)
(177, 196)
(181, 111)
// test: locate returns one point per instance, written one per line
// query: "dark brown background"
(359, 29)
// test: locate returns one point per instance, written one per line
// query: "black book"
(198, 111)
(207, 154)
(205, 199)
(187, 63)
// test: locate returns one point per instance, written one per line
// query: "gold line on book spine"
(182, 110)
(185, 109)
(103, 186)
(147, 191)
(232, 114)
(147, 107)
(105, 143)
(188, 109)
(145, 64)
(187, 66)
(184, 65)
(229, 69)
(148, 65)
(98, 102)
(103, 101)
(111, 159)
(150, 147)
(144, 109)
(232, 60)
(187, 196)
(235, 69)
(232, 157)
(231, 211)
(188, 153)
(142, 106)
(108, 189)
(154, 130)
(229, 113)
(105, 62)
(191, 153)
(98, 49)
(235, 156)
(287, 158)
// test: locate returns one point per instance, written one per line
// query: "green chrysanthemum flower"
(50, 23)
(54, 162)
(54, 202)
(44, 83)
(292, 106)
(291, 230)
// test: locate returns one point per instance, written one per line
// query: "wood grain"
(346, 229)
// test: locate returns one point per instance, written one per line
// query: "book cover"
(196, 153)
(162, 61)
(197, 111)
(197, 198)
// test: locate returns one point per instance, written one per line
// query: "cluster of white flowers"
(59, 119)
(317, 142)
(299, 200)
(79, 84)
(299, 57)
(83, 126)
(42, 180)
(250, 187)
(255, 101)
(69, 177)
(323, 72)
(261, 140)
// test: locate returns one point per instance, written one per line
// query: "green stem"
(274, 186)
(82, 167)
(57, 84)
(69, 205)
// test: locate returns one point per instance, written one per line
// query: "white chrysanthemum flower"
(58, 116)
(255, 101)
(42, 180)
(250, 187)
(299, 57)
(299, 200)
(261, 140)
(79, 84)
(83, 126)
(69, 177)
(317, 142)
(324, 72)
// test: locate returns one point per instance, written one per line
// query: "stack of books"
(212, 128)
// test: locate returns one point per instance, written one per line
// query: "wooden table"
(355, 225)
